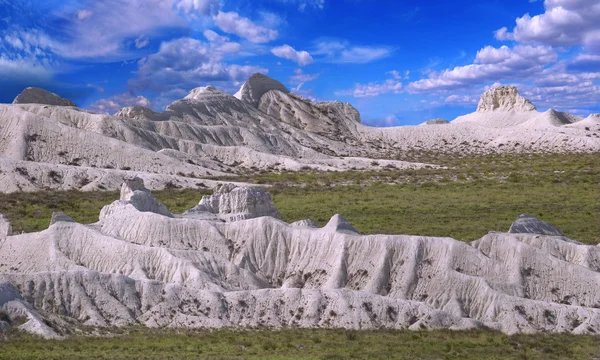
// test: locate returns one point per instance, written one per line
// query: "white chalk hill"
(47, 143)
(142, 265)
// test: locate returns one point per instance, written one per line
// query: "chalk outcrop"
(504, 98)
(135, 194)
(143, 268)
(232, 203)
(33, 95)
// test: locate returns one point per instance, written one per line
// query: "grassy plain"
(302, 344)
(465, 201)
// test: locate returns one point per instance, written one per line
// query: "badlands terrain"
(438, 238)
(48, 143)
(231, 262)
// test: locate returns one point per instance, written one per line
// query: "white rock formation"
(32, 95)
(504, 98)
(258, 85)
(142, 268)
(134, 194)
(232, 203)
(210, 133)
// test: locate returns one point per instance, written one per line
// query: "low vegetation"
(465, 201)
(302, 344)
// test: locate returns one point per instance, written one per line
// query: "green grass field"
(303, 344)
(466, 201)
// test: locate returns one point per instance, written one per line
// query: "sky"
(398, 62)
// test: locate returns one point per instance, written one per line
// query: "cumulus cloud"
(300, 77)
(342, 52)
(232, 23)
(115, 103)
(187, 63)
(398, 75)
(373, 89)
(204, 7)
(491, 64)
(564, 23)
(302, 58)
(111, 26)
(458, 99)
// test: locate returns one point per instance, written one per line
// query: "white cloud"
(458, 99)
(398, 75)
(373, 89)
(187, 63)
(564, 23)
(300, 77)
(233, 23)
(361, 55)
(115, 103)
(214, 37)
(342, 52)
(491, 64)
(204, 7)
(287, 52)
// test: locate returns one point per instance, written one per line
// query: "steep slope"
(136, 266)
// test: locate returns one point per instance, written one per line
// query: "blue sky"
(398, 62)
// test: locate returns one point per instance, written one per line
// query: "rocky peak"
(33, 95)
(504, 98)
(202, 92)
(256, 87)
(133, 192)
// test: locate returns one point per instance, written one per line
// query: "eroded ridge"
(142, 265)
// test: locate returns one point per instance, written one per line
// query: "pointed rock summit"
(504, 98)
(133, 192)
(257, 86)
(33, 95)
(340, 224)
